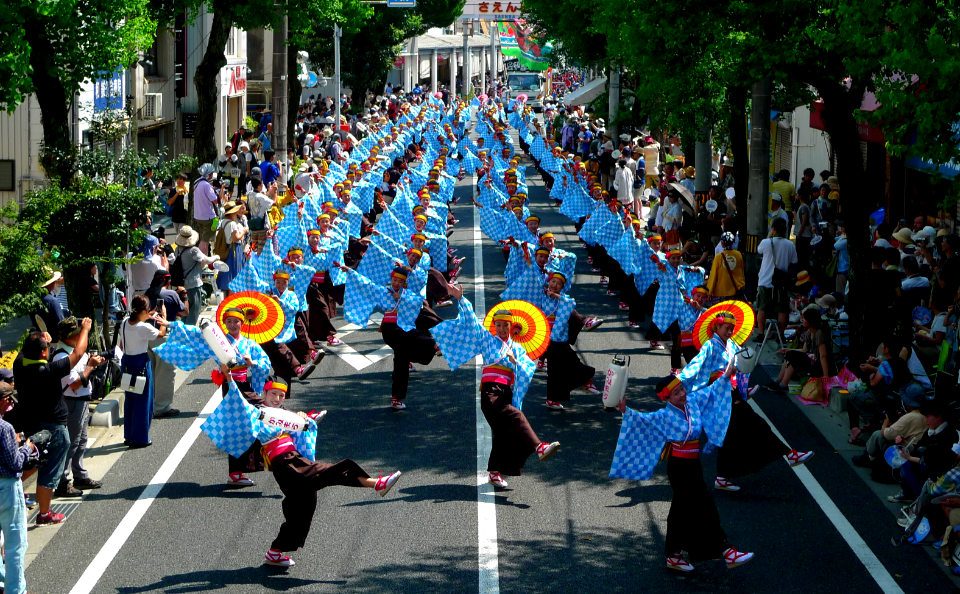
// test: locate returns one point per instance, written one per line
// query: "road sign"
(401, 3)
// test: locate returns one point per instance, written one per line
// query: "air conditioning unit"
(152, 106)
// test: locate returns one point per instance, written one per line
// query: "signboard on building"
(402, 3)
(238, 79)
(491, 10)
(108, 91)
(189, 125)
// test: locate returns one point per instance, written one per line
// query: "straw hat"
(187, 237)
(903, 236)
(803, 277)
(230, 208)
(53, 276)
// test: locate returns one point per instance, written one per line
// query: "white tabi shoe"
(553, 405)
(545, 450)
(679, 563)
(496, 480)
(238, 479)
(735, 558)
(385, 483)
(277, 558)
(795, 458)
(724, 485)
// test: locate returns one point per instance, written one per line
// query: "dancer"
(750, 444)
(404, 328)
(290, 460)
(693, 524)
(504, 381)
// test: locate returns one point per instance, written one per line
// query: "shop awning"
(587, 92)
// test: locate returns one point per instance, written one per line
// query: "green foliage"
(21, 267)
(76, 40)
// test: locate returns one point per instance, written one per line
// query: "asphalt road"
(562, 527)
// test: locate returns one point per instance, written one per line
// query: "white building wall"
(810, 146)
(20, 136)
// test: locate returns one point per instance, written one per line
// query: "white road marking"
(860, 548)
(349, 354)
(488, 559)
(128, 524)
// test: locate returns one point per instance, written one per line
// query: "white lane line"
(128, 524)
(488, 560)
(860, 548)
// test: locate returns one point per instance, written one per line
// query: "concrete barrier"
(106, 414)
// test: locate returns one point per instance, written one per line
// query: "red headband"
(665, 392)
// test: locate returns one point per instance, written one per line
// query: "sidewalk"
(835, 428)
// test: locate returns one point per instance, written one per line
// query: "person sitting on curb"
(903, 431)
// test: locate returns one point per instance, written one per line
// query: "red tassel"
(217, 376)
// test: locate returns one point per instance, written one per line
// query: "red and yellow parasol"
(530, 327)
(743, 326)
(263, 317)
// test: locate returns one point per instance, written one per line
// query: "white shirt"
(74, 375)
(651, 157)
(919, 373)
(141, 273)
(779, 249)
(915, 282)
(135, 339)
(772, 216)
(259, 204)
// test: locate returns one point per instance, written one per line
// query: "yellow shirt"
(786, 190)
(721, 284)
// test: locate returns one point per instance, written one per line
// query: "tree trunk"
(208, 92)
(737, 98)
(294, 90)
(77, 285)
(839, 107)
(57, 154)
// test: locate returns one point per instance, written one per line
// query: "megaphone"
(218, 343)
(616, 384)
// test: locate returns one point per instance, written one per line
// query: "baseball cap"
(7, 391)
(68, 327)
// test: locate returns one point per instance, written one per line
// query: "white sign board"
(492, 10)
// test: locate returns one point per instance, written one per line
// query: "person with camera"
(205, 201)
(76, 394)
(175, 305)
(46, 409)
(135, 336)
(14, 456)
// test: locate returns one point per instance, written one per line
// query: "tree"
(51, 48)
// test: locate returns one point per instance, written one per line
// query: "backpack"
(177, 275)
(220, 246)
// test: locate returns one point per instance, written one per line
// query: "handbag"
(813, 390)
(781, 278)
(831, 269)
(257, 223)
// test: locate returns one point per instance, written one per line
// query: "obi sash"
(239, 373)
(686, 339)
(550, 321)
(497, 374)
(685, 449)
(275, 447)
(319, 277)
(390, 317)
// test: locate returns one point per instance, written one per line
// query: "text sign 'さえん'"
(492, 10)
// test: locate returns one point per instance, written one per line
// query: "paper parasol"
(263, 316)
(530, 327)
(703, 329)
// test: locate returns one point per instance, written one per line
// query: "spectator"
(76, 394)
(803, 230)
(141, 272)
(175, 306)
(205, 199)
(885, 378)
(13, 511)
(929, 458)
(177, 202)
(812, 358)
(930, 339)
(234, 233)
(228, 166)
(147, 182)
(728, 283)
(948, 271)
(45, 408)
(777, 212)
(843, 257)
(266, 136)
(193, 261)
(245, 164)
(912, 280)
(270, 171)
(260, 204)
(50, 310)
(905, 430)
(778, 254)
(135, 337)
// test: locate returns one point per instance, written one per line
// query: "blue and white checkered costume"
(714, 356)
(627, 253)
(529, 288)
(362, 297)
(666, 311)
(643, 435)
(463, 338)
(648, 267)
(577, 203)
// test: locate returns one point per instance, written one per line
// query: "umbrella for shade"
(742, 327)
(530, 327)
(688, 202)
(263, 317)
(325, 120)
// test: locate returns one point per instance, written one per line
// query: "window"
(6, 176)
(150, 56)
(255, 55)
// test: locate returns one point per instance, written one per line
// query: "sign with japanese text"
(108, 91)
(492, 10)
(238, 79)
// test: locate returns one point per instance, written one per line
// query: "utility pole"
(613, 105)
(337, 32)
(279, 89)
(466, 59)
(758, 189)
